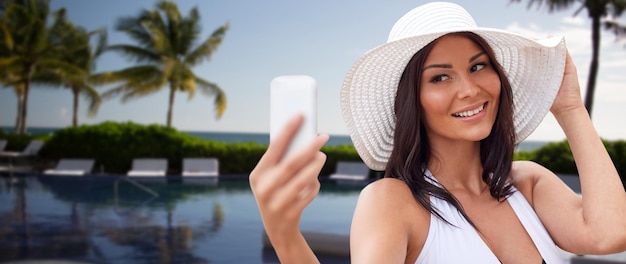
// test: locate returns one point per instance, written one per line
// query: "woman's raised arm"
(283, 187)
(594, 223)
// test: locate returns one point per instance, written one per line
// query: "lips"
(470, 113)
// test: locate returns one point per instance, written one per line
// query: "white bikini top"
(461, 243)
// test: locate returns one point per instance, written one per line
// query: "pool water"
(105, 219)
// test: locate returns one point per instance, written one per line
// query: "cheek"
(492, 84)
(493, 87)
(434, 103)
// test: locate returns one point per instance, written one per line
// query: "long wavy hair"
(411, 151)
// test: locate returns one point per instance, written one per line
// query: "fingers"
(278, 175)
(294, 163)
(284, 186)
(279, 144)
(568, 96)
(300, 190)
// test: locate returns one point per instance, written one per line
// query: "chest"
(500, 229)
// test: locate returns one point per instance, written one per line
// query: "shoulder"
(385, 198)
(390, 188)
(388, 214)
(525, 170)
(527, 175)
(389, 196)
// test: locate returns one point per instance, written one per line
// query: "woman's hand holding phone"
(283, 185)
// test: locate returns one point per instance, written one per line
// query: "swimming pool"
(102, 219)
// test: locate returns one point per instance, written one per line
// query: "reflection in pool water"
(102, 219)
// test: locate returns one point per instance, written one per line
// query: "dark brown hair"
(411, 151)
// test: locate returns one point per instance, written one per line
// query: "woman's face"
(459, 92)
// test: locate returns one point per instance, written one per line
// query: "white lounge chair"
(200, 167)
(350, 172)
(147, 167)
(71, 167)
(32, 149)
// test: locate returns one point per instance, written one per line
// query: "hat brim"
(534, 69)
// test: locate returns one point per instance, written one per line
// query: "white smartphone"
(291, 94)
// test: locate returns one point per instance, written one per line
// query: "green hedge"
(114, 145)
(17, 142)
(557, 157)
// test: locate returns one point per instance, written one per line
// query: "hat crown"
(433, 17)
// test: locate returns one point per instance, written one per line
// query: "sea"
(260, 138)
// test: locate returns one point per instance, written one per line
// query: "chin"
(480, 136)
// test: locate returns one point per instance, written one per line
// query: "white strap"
(535, 229)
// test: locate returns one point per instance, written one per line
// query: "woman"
(439, 108)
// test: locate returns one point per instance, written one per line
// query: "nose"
(467, 87)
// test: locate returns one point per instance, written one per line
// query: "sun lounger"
(32, 149)
(200, 167)
(146, 167)
(350, 172)
(71, 167)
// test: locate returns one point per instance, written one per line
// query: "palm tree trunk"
(24, 109)
(27, 75)
(170, 107)
(20, 105)
(593, 67)
(76, 92)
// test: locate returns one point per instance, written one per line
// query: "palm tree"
(76, 50)
(27, 50)
(165, 52)
(8, 80)
(600, 12)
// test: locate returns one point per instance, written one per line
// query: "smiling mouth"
(470, 112)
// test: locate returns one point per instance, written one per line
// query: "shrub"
(557, 157)
(114, 145)
(17, 142)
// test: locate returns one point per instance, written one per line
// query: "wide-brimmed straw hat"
(534, 68)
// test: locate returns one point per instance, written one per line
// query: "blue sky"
(320, 38)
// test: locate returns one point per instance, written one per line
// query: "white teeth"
(471, 112)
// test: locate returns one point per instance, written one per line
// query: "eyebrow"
(448, 66)
(473, 58)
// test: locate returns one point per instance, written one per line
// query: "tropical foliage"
(602, 13)
(45, 48)
(78, 52)
(165, 51)
(26, 50)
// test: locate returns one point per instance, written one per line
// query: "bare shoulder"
(387, 198)
(388, 214)
(525, 170)
(385, 190)
(527, 174)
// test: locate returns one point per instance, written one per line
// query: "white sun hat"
(534, 68)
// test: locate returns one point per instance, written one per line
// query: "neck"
(457, 166)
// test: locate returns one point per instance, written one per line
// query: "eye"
(478, 66)
(439, 78)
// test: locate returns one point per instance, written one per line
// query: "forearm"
(293, 249)
(604, 198)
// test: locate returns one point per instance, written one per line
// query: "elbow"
(611, 243)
